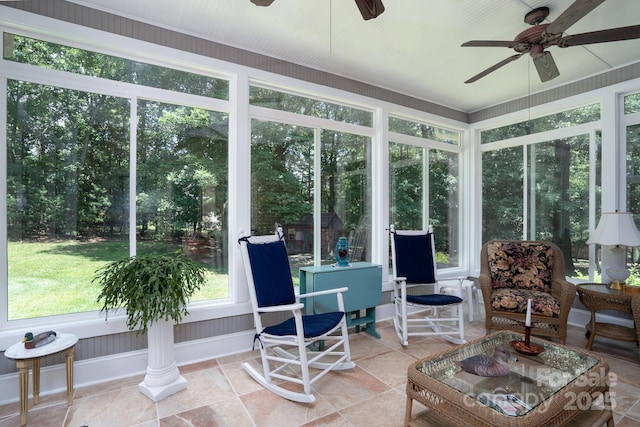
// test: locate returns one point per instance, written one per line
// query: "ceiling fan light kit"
(262, 2)
(537, 39)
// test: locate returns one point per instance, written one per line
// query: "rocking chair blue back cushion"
(271, 273)
(414, 258)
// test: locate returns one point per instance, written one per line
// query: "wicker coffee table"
(555, 388)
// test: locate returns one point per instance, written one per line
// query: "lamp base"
(617, 276)
(616, 285)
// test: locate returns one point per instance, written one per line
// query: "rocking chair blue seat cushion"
(314, 325)
(433, 299)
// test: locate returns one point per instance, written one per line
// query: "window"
(424, 185)
(632, 103)
(502, 191)
(284, 179)
(313, 181)
(282, 183)
(283, 101)
(563, 119)
(345, 186)
(64, 58)
(631, 122)
(67, 195)
(422, 130)
(181, 188)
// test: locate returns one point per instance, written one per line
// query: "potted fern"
(155, 290)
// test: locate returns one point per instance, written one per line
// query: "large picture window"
(543, 190)
(69, 166)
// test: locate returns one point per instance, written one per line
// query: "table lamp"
(616, 229)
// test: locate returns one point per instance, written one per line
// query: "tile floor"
(220, 393)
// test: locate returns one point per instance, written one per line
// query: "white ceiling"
(412, 48)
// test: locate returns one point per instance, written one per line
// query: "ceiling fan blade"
(603, 36)
(370, 9)
(571, 15)
(546, 67)
(494, 67)
(490, 43)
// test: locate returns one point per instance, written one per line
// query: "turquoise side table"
(364, 281)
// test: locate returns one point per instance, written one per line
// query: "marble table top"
(62, 342)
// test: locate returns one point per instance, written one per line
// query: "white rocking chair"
(290, 343)
(417, 313)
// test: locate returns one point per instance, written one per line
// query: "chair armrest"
(457, 285)
(399, 279)
(325, 292)
(565, 292)
(337, 291)
(277, 308)
(485, 283)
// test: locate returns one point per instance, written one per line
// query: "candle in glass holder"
(527, 321)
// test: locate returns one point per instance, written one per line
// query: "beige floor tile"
(386, 367)
(225, 413)
(364, 345)
(386, 409)
(348, 387)
(270, 410)
(203, 388)
(125, 407)
(331, 420)
(239, 379)
(95, 389)
(194, 367)
(427, 347)
(39, 416)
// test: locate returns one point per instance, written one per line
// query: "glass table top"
(531, 380)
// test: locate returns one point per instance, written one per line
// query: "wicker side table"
(597, 297)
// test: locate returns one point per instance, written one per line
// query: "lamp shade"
(615, 229)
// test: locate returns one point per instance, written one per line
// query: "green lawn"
(52, 278)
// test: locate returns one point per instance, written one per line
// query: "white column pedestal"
(163, 377)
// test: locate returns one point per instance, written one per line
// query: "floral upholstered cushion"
(520, 265)
(515, 300)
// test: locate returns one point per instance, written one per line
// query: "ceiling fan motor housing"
(537, 15)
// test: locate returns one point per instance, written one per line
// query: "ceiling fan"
(540, 36)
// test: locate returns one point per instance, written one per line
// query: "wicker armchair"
(511, 272)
